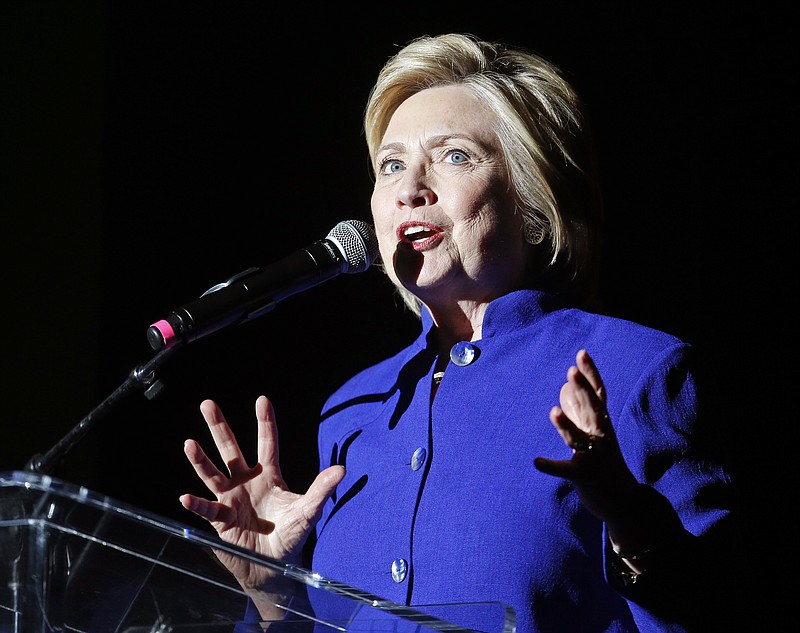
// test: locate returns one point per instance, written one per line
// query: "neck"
(462, 322)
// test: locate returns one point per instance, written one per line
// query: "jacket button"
(463, 353)
(418, 458)
(399, 570)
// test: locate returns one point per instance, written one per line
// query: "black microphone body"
(350, 247)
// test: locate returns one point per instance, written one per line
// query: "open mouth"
(419, 235)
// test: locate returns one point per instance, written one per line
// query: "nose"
(415, 190)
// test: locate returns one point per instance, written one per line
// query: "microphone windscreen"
(357, 242)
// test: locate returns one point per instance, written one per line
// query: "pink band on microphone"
(167, 333)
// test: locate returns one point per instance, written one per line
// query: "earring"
(532, 233)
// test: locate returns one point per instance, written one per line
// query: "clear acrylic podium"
(74, 561)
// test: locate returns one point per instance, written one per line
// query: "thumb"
(322, 488)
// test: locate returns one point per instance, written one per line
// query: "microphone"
(350, 247)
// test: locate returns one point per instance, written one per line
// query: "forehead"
(442, 110)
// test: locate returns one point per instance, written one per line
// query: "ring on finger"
(586, 444)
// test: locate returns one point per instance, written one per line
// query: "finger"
(268, 453)
(211, 511)
(571, 434)
(568, 401)
(321, 489)
(582, 402)
(574, 437)
(564, 468)
(578, 401)
(209, 474)
(224, 439)
(589, 369)
(559, 419)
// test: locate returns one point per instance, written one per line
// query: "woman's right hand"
(253, 507)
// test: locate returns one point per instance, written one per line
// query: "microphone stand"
(141, 377)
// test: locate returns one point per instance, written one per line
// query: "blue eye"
(391, 166)
(458, 157)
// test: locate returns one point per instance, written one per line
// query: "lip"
(420, 245)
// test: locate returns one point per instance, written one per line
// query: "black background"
(150, 150)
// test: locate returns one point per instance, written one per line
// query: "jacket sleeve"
(694, 575)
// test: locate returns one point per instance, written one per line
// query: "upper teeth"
(412, 230)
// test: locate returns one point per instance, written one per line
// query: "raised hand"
(597, 466)
(253, 507)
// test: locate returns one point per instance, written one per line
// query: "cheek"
(382, 222)
(379, 215)
(482, 197)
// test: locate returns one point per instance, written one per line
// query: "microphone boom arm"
(141, 377)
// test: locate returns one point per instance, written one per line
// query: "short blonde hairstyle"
(544, 137)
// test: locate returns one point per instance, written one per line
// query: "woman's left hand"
(597, 467)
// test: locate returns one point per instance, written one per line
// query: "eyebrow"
(435, 141)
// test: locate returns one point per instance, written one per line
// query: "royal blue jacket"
(441, 502)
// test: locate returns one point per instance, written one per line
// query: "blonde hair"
(544, 136)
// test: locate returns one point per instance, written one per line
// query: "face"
(442, 203)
